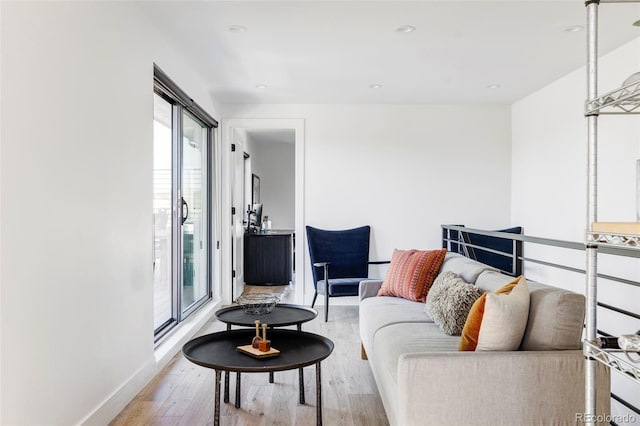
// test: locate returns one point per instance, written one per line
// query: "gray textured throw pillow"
(449, 302)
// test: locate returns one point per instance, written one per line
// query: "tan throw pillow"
(497, 321)
(449, 301)
(411, 273)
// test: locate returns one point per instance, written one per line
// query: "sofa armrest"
(496, 388)
(369, 288)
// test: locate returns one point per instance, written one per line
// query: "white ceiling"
(272, 135)
(332, 51)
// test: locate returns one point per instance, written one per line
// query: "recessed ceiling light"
(493, 86)
(261, 86)
(375, 86)
(573, 29)
(405, 29)
(237, 29)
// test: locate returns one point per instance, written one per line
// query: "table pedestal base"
(216, 400)
(271, 380)
(216, 404)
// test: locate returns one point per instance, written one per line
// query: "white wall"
(549, 153)
(403, 169)
(549, 166)
(77, 304)
(274, 163)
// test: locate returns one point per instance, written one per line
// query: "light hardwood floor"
(182, 393)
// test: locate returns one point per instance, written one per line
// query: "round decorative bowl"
(257, 303)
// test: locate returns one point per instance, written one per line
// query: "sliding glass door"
(182, 212)
(195, 211)
(163, 265)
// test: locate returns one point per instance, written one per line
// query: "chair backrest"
(502, 262)
(347, 250)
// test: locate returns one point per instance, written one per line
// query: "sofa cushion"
(491, 281)
(396, 340)
(411, 273)
(393, 342)
(497, 321)
(379, 312)
(556, 315)
(468, 269)
(555, 321)
(449, 302)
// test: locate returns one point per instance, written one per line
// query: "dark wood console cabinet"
(268, 258)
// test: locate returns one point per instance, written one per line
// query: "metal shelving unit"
(612, 239)
(624, 100)
(615, 360)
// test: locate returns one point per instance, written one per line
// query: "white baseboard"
(173, 343)
(119, 399)
(165, 351)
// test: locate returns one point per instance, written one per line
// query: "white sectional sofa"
(424, 380)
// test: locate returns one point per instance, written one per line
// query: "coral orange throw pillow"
(411, 273)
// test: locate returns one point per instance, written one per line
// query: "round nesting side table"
(298, 349)
(282, 315)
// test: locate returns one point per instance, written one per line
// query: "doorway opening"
(265, 165)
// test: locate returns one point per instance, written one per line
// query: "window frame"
(181, 103)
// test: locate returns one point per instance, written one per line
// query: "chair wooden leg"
(326, 307)
(314, 299)
(326, 292)
(363, 352)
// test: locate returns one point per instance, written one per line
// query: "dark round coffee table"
(298, 349)
(282, 315)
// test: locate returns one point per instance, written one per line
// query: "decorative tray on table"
(257, 353)
(260, 346)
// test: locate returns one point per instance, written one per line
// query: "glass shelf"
(625, 100)
(615, 360)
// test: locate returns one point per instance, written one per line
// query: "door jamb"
(227, 126)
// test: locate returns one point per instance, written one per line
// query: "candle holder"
(264, 344)
(260, 346)
(255, 343)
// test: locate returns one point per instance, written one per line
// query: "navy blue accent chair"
(343, 257)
